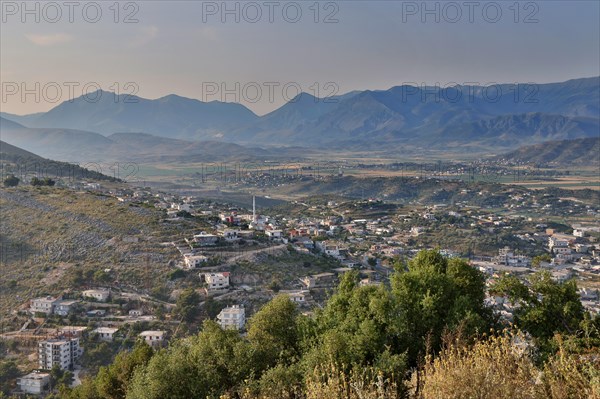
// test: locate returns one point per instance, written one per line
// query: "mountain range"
(79, 146)
(476, 118)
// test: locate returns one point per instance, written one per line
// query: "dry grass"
(498, 369)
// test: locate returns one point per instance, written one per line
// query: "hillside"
(23, 164)
(565, 152)
(11, 152)
(49, 235)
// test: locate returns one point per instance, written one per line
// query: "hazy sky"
(186, 48)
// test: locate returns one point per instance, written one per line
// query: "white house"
(34, 383)
(217, 281)
(43, 305)
(194, 261)
(205, 238)
(578, 233)
(58, 352)
(181, 207)
(368, 281)
(417, 230)
(99, 295)
(332, 249)
(153, 338)
(232, 317)
(136, 312)
(274, 234)
(106, 333)
(298, 296)
(230, 235)
(429, 216)
(64, 307)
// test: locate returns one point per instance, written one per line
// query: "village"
(234, 263)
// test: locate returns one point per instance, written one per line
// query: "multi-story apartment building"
(232, 317)
(61, 352)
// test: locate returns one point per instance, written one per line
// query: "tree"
(212, 308)
(8, 373)
(273, 331)
(11, 181)
(200, 366)
(159, 312)
(59, 378)
(355, 331)
(100, 276)
(275, 285)
(112, 382)
(187, 305)
(42, 182)
(546, 306)
(435, 295)
(96, 356)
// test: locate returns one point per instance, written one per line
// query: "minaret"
(253, 209)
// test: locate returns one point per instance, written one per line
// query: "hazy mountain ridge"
(584, 151)
(500, 117)
(82, 146)
(433, 116)
(169, 116)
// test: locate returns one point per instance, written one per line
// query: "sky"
(263, 53)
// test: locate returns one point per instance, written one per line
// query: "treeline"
(429, 335)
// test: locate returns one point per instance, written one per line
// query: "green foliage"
(273, 333)
(96, 355)
(201, 366)
(42, 182)
(184, 214)
(187, 305)
(100, 276)
(212, 308)
(176, 274)
(8, 373)
(11, 181)
(546, 306)
(113, 382)
(275, 285)
(363, 343)
(435, 295)
(357, 329)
